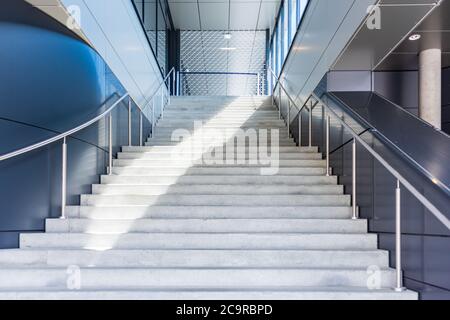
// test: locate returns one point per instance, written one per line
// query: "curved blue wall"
(51, 81)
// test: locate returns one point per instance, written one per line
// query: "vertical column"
(430, 86)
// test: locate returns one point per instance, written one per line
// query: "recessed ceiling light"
(415, 37)
(227, 36)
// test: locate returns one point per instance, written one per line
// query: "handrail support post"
(354, 207)
(310, 124)
(153, 116)
(258, 88)
(328, 144)
(300, 128)
(129, 122)
(279, 100)
(141, 129)
(398, 240)
(289, 118)
(110, 155)
(162, 103)
(64, 179)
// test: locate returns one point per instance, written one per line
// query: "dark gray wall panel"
(401, 88)
(426, 242)
(446, 100)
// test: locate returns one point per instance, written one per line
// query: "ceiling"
(386, 48)
(224, 14)
(56, 9)
(434, 31)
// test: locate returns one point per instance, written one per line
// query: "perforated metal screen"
(210, 56)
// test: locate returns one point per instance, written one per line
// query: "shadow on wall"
(52, 81)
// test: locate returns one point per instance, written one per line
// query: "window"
(286, 26)
(301, 9)
(293, 19)
(154, 17)
(286, 36)
(279, 44)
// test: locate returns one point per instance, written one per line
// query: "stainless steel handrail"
(172, 71)
(259, 79)
(108, 113)
(437, 213)
(62, 135)
(400, 179)
(299, 110)
(396, 147)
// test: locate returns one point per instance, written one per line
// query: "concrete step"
(254, 241)
(197, 144)
(208, 212)
(196, 258)
(210, 170)
(220, 107)
(171, 149)
(175, 163)
(219, 180)
(222, 115)
(236, 119)
(173, 133)
(221, 136)
(218, 200)
(216, 189)
(178, 278)
(211, 155)
(222, 125)
(309, 293)
(205, 226)
(211, 130)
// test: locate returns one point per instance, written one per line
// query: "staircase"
(176, 221)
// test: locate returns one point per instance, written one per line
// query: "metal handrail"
(437, 213)
(107, 113)
(221, 72)
(172, 71)
(299, 110)
(396, 147)
(284, 89)
(62, 135)
(256, 74)
(400, 179)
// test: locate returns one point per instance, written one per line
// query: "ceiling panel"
(371, 46)
(244, 15)
(267, 15)
(214, 16)
(434, 32)
(185, 15)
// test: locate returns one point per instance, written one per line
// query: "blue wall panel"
(52, 81)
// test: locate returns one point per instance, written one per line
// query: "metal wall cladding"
(209, 51)
(446, 100)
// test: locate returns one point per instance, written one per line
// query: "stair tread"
(162, 226)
